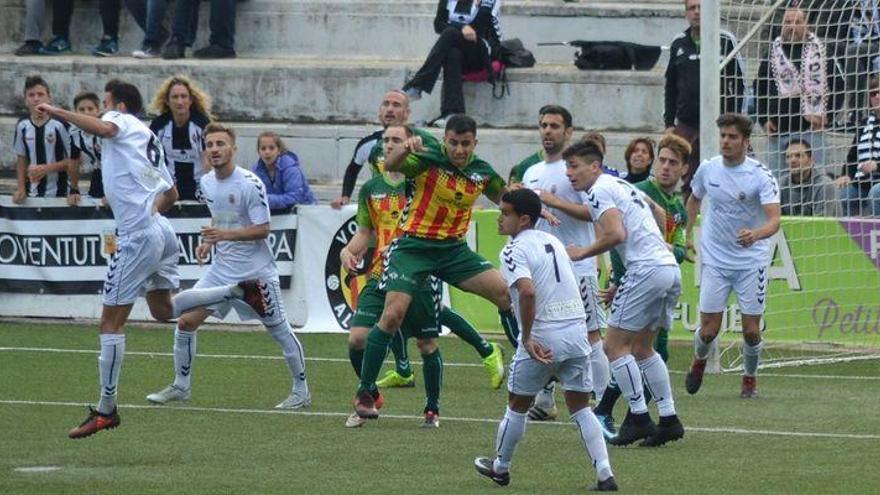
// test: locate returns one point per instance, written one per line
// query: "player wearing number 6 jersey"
(645, 299)
(137, 185)
(553, 339)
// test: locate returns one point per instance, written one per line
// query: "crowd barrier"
(824, 287)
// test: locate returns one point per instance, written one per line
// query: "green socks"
(432, 368)
(661, 345)
(374, 355)
(465, 331)
(510, 325)
(401, 357)
(356, 356)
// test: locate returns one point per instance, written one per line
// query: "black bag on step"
(614, 55)
(512, 53)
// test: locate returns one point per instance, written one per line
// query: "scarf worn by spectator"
(809, 83)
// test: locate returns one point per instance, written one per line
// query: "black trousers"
(62, 12)
(454, 55)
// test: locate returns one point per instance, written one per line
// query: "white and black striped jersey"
(47, 143)
(183, 147)
(88, 147)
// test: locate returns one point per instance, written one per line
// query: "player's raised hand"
(538, 352)
(551, 218)
(46, 108)
(414, 144)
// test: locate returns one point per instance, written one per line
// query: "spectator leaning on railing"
(85, 151)
(860, 181)
(803, 190)
(184, 112)
(279, 169)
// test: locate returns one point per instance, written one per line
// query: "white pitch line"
(341, 360)
(333, 414)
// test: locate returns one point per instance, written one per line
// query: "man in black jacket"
(682, 100)
(469, 33)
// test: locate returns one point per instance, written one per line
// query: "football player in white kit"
(552, 338)
(742, 215)
(645, 299)
(137, 185)
(548, 180)
(239, 226)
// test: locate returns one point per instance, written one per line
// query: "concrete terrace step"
(325, 150)
(383, 28)
(300, 90)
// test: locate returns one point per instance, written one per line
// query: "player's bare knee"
(519, 403)
(357, 338)
(187, 323)
(575, 401)
(427, 346)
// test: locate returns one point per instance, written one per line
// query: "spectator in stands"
(62, 12)
(221, 43)
(860, 182)
(792, 90)
(183, 29)
(861, 52)
(281, 173)
(184, 110)
(469, 33)
(682, 89)
(639, 156)
(150, 16)
(805, 191)
(41, 146)
(85, 151)
(598, 139)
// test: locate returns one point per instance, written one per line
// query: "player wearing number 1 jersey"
(137, 186)
(553, 340)
(645, 299)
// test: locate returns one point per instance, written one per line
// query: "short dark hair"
(32, 81)
(460, 124)
(524, 202)
(587, 150)
(123, 92)
(556, 110)
(112, 83)
(407, 129)
(215, 127)
(742, 123)
(86, 95)
(803, 142)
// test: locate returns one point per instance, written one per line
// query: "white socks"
(628, 377)
(293, 353)
(510, 431)
(184, 354)
(109, 367)
(701, 349)
(197, 298)
(656, 377)
(751, 357)
(591, 435)
(599, 369)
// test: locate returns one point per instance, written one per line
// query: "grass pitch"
(814, 429)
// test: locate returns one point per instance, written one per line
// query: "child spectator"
(280, 172)
(184, 112)
(85, 151)
(41, 144)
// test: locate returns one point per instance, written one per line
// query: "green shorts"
(422, 320)
(410, 260)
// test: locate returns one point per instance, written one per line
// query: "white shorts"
(143, 262)
(750, 286)
(589, 287)
(527, 377)
(274, 315)
(646, 298)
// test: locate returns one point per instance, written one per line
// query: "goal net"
(808, 67)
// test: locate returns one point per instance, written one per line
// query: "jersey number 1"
(552, 253)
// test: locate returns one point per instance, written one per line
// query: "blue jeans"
(776, 146)
(855, 203)
(149, 15)
(185, 23)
